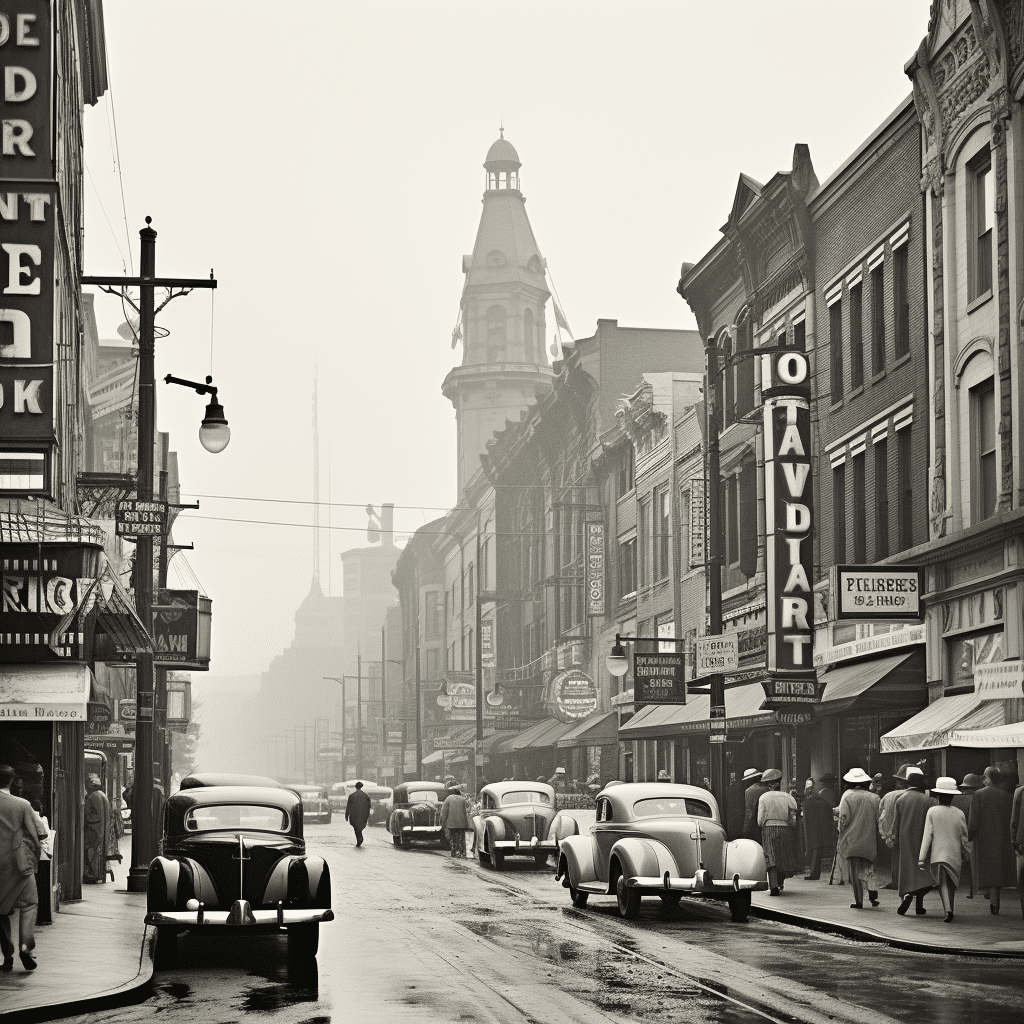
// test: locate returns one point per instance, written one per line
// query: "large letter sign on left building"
(789, 521)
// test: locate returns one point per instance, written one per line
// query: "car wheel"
(627, 898)
(165, 956)
(397, 840)
(303, 942)
(579, 899)
(739, 905)
(327, 821)
(670, 899)
(541, 858)
(497, 860)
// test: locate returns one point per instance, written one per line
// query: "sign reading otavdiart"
(572, 695)
(789, 520)
(595, 569)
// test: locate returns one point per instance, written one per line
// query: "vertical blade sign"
(789, 521)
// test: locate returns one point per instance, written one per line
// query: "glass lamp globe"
(214, 432)
(617, 662)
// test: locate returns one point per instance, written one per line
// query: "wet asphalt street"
(422, 938)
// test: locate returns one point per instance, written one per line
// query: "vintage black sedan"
(234, 860)
(515, 820)
(416, 813)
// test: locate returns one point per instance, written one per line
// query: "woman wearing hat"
(776, 814)
(858, 829)
(944, 844)
(908, 826)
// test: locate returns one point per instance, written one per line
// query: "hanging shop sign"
(595, 569)
(181, 629)
(572, 695)
(698, 521)
(26, 49)
(41, 586)
(487, 643)
(127, 711)
(136, 518)
(659, 678)
(716, 655)
(789, 519)
(794, 717)
(1000, 680)
(870, 592)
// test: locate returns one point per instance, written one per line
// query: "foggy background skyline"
(328, 165)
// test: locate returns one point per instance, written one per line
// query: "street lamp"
(617, 663)
(214, 432)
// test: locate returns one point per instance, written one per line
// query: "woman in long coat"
(97, 825)
(858, 830)
(944, 845)
(908, 826)
(988, 828)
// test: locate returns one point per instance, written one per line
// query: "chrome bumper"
(701, 882)
(255, 918)
(533, 845)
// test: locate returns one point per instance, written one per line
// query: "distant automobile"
(234, 860)
(381, 798)
(415, 813)
(515, 820)
(201, 779)
(316, 804)
(660, 839)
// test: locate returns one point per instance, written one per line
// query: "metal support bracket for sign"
(181, 547)
(173, 504)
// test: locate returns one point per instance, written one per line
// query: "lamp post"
(214, 432)
(144, 824)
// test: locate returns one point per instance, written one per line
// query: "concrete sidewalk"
(94, 955)
(974, 930)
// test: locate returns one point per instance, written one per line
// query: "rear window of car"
(668, 806)
(424, 797)
(525, 796)
(248, 816)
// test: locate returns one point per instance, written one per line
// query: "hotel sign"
(869, 592)
(595, 570)
(789, 522)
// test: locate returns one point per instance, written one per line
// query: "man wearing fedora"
(944, 844)
(819, 830)
(751, 829)
(908, 827)
(858, 832)
(886, 813)
(1017, 839)
(988, 827)
(971, 784)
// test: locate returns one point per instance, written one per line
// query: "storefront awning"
(543, 734)
(47, 692)
(435, 758)
(895, 681)
(931, 728)
(591, 732)
(999, 736)
(742, 711)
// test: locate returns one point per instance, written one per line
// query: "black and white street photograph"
(512, 514)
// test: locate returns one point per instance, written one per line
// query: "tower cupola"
(502, 165)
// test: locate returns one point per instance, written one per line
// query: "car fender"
(299, 881)
(174, 882)
(745, 858)
(646, 857)
(562, 827)
(577, 860)
(398, 820)
(497, 828)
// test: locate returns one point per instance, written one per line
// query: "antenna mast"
(316, 485)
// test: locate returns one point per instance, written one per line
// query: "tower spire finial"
(501, 129)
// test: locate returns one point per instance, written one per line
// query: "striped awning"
(1001, 736)
(932, 728)
(742, 711)
(591, 732)
(543, 734)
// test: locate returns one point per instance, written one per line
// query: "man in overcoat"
(357, 812)
(456, 821)
(886, 814)
(908, 827)
(20, 841)
(988, 829)
(819, 830)
(751, 798)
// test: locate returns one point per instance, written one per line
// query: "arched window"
(492, 180)
(502, 179)
(513, 179)
(496, 336)
(528, 334)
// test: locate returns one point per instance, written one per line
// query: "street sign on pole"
(136, 518)
(716, 655)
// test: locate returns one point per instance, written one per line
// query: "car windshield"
(248, 816)
(426, 797)
(671, 806)
(525, 796)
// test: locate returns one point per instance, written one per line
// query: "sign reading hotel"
(658, 679)
(595, 569)
(27, 270)
(868, 592)
(999, 680)
(789, 520)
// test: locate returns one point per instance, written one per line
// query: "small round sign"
(572, 695)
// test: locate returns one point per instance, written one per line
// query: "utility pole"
(419, 715)
(144, 827)
(359, 715)
(383, 700)
(478, 654)
(714, 564)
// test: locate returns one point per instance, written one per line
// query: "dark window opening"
(856, 336)
(901, 300)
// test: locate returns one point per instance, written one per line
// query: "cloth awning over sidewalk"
(742, 711)
(543, 734)
(591, 732)
(932, 728)
(1011, 735)
(45, 692)
(897, 680)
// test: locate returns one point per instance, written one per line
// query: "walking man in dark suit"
(19, 836)
(357, 812)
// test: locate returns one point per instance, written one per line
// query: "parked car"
(514, 820)
(659, 839)
(201, 779)
(234, 860)
(415, 813)
(316, 804)
(381, 798)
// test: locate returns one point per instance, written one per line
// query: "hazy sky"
(325, 159)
